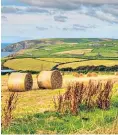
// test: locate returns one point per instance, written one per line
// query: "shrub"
(71, 100)
(93, 94)
(86, 69)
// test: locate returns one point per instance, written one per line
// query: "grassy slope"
(30, 119)
(106, 48)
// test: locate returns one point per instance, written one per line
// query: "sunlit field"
(29, 64)
(35, 111)
(48, 63)
(60, 60)
(90, 63)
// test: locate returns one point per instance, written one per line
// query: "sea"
(4, 54)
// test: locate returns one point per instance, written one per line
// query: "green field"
(101, 48)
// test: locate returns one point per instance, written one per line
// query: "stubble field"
(35, 112)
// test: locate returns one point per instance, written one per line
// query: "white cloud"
(22, 10)
(66, 3)
(104, 12)
(106, 17)
(60, 18)
(41, 28)
(100, 13)
(112, 9)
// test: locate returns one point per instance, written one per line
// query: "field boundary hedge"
(86, 69)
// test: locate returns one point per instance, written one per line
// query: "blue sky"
(36, 19)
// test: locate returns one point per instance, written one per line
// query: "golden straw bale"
(18, 82)
(116, 73)
(89, 74)
(50, 79)
(81, 75)
(94, 74)
(75, 74)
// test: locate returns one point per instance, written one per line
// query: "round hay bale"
(94, 74)
(49, 79)
(18, 82)
(116, 73)
(81, 75)
(75, 74)
(89, 74)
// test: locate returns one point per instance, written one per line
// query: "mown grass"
(60, 60)
(38, 64)
(29, 64)
(31, 101)
(77, 51)
(90, 63)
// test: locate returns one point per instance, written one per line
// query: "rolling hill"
(36, 43)
(100, 48)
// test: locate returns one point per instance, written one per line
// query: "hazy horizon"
(53, 38)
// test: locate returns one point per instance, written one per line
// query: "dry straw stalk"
(92, 94)
(105, 95)
(8, 109)
(71, 100)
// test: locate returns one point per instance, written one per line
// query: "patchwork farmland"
(45, 110)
